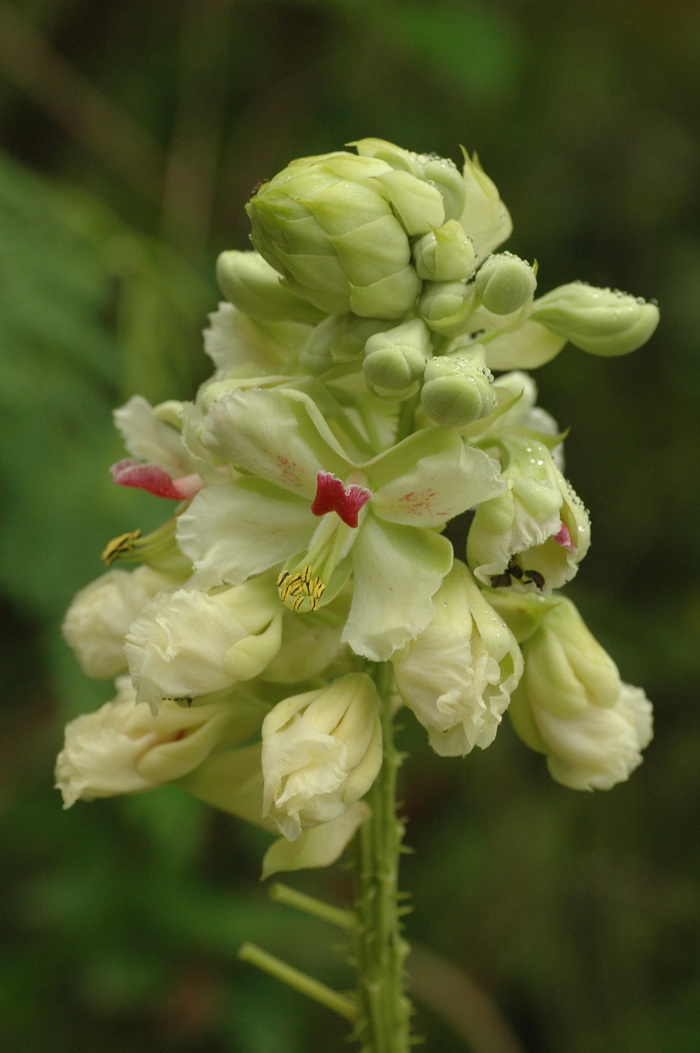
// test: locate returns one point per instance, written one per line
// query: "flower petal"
(435, 477)
(318, 847)
(397, 571)
(232, 532)
(149, 438)
(278, 435)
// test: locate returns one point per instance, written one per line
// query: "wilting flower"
(458, 674)
(571, 704)
(321, 752)
(378, 519)
(125, 748)
(100, 615)
(191, 643)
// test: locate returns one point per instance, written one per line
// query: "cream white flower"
(124, 748)
(458, 674)
(99, 617)
(321, 752)
(192, 643)
(537, 531)
(572, 705)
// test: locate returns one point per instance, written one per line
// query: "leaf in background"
(90, 312)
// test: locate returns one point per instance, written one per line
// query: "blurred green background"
(132, 134)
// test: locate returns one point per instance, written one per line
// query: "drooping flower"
(321, 752)
(571, 704)
(263, 519)
(125, 748)
(457, 676)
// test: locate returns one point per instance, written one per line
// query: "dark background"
(132, 133)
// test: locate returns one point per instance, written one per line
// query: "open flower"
(458, 674)
(534, 533)
(125, 748)
(379, 520)
(321, 752)
(571, 704)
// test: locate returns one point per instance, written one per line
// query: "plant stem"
(383, 1023)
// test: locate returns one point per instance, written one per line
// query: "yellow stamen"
(300, 587)
(119, 546)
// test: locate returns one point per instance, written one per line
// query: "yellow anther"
(119, 546)
(300, 587)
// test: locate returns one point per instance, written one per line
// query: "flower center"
(333, 496)
(295, 589)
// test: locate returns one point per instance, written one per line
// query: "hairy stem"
(383, 1023)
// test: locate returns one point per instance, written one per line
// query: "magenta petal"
(332, 496)
(146, 477)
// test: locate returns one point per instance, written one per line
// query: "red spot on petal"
(563, 538)
(154, 479)
(332, 496)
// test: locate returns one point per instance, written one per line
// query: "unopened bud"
(446, 307)
(457, 388)
(395, 359)
(505, 283)
(600, 321)
(256, 288)
(445, 254)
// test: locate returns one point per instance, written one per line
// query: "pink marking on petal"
(332, 496)
(563, 538)
(152, 478)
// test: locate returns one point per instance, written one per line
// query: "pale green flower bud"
(321, 752)
(572, 705)
(126, 748)
(395, 360)
(338, 338)
(100, 615)
(600, 321)
(445, 254)
(458, 674)
(446, 307)
(255, 288)
(484, 216)
(337, 227)
(504, 283)
(442, 173)
(193, 643)
(457, 388)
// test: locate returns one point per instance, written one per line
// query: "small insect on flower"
(514, 570)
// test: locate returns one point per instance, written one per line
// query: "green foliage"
(121, 920)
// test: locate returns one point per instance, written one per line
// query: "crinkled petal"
(233, 532)
(397, 571)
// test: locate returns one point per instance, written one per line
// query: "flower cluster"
(352, 414)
